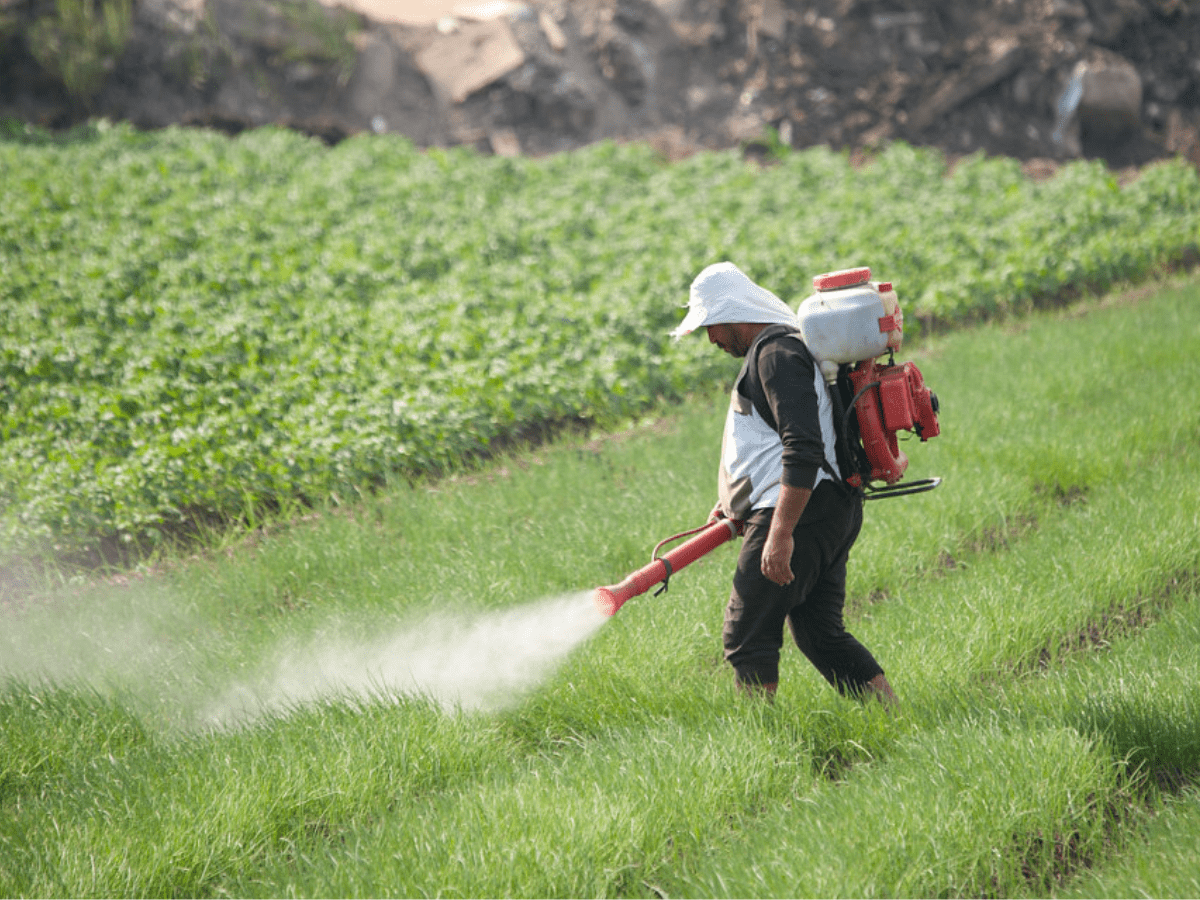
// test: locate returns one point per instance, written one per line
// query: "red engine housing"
(891, 398)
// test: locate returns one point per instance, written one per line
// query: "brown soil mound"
(1034, 79)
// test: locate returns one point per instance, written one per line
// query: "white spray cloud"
(475, 661)
(150, 648)
(120, 640)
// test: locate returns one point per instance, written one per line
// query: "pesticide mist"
(468, 661)
(155, 652)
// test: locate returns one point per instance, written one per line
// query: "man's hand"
(777, 558)
(777, 549)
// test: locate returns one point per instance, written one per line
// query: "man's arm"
(777, 551)
(788, 379)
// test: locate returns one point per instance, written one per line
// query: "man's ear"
(748, 331)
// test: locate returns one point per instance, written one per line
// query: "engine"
(889, 399)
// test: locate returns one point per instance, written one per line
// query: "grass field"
(410, 696)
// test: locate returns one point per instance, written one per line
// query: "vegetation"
(80, 43)
(372, 700)
(319, 34)
(1037, 614)
(198, 330)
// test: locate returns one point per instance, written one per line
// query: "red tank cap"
(842, 278)
(884, 287)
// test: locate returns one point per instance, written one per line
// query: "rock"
(1069, 9)
(773, 20)
(504, 142)
(1111, 106)
(625, 61)
(1002, 59)
(374, 78)
(172, 15)
(1183, 137)
(1110, 17)
(241, 99)
(475, 55)
(696, 22)
(554, 34)
(408, 13)
(1101, 103)
(886, 21)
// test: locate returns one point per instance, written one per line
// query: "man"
(779, 475)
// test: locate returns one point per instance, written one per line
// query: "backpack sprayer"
(847, 336)
(849, 324)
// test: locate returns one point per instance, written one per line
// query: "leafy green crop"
(195, 327)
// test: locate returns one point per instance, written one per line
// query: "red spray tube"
(611, 598)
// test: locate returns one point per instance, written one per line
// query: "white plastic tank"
(850, 318)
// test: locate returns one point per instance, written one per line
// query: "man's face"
(728, 339)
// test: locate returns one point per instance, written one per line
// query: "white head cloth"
(723, 294)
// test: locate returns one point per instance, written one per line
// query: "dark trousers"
(811, 605)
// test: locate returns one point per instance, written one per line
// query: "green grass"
(956, 811)
(1036, 613)
(1158, 859)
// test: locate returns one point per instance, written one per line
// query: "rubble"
(466, 57)
(1034, 79)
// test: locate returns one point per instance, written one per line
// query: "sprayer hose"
(675, 537)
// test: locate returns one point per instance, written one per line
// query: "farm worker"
(779, 475)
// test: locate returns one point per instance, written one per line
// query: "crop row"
(1046, 675)
(196, 327)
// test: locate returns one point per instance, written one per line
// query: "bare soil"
(542, 76)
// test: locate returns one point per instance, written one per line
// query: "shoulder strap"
(852, 458)
(749, 371)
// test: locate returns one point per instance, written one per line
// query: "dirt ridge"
(1044, 80)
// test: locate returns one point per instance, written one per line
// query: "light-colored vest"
(752, 453)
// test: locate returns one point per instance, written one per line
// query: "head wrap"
(723, 294)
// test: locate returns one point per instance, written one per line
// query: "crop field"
(236, 724)
(197, 331)
(405, 690)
